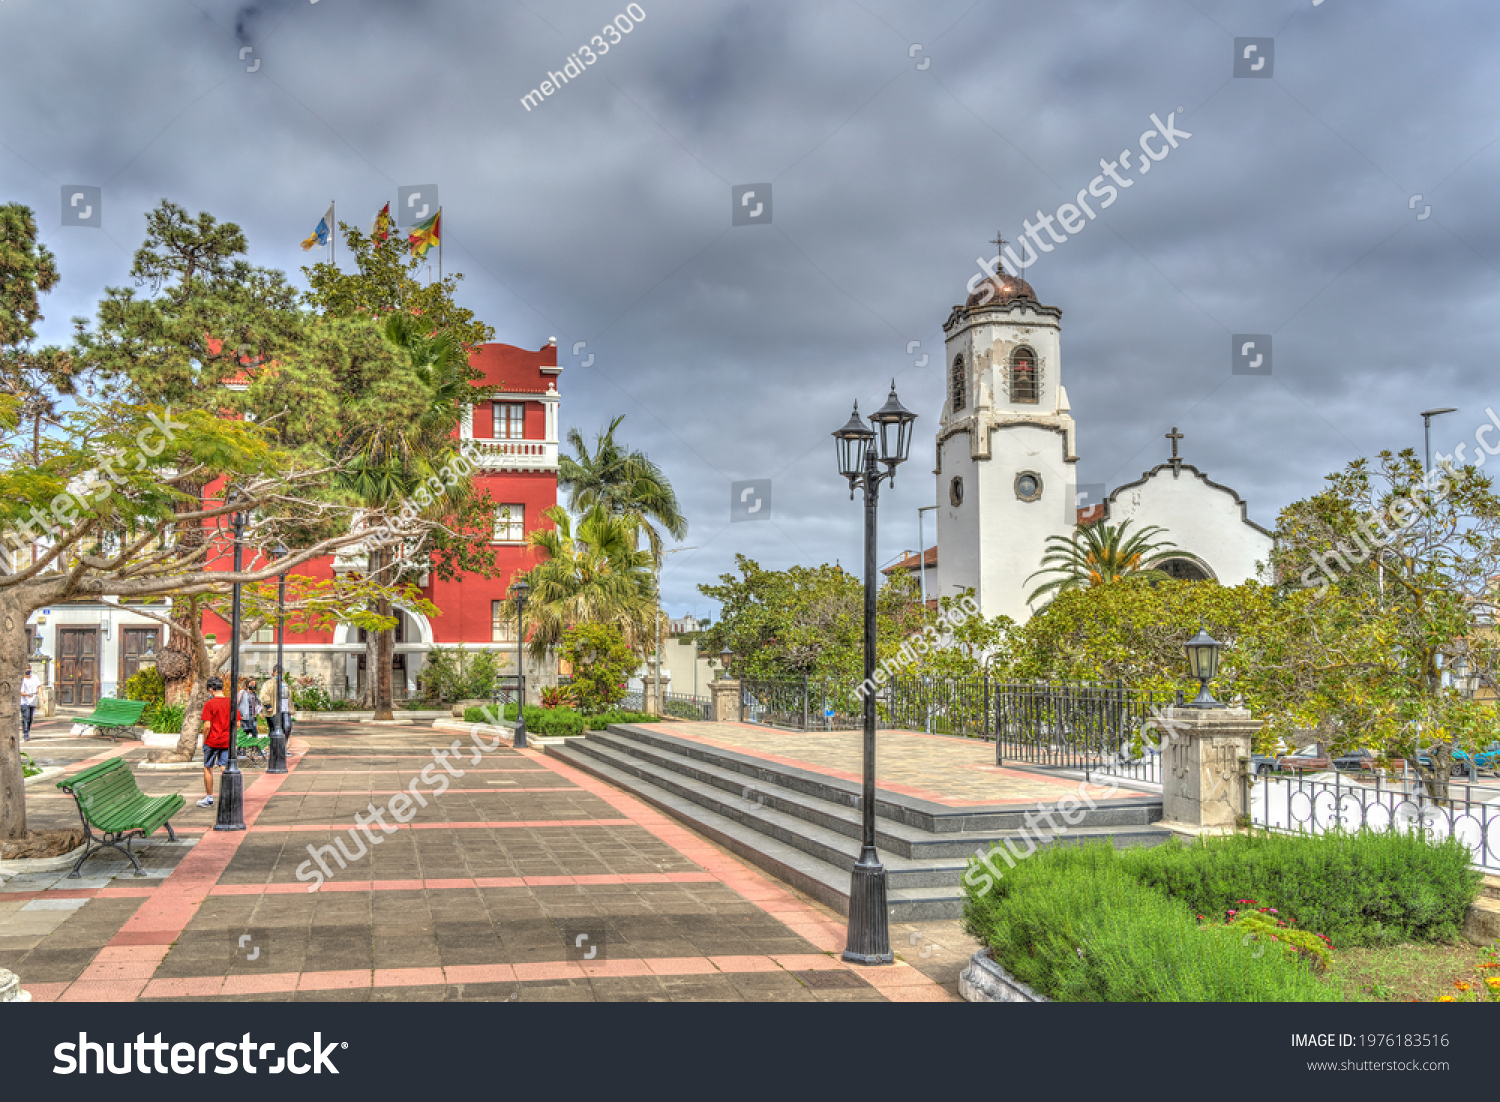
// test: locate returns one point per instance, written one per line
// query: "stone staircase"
(804, 827)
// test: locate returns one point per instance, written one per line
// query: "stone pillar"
(1201, 768)
(726, 696)
(46, 699)
(649, 699)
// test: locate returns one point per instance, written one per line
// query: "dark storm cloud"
(603, 214)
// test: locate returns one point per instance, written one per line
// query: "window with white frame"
(502, 625)
(510, 523)
(510, 420)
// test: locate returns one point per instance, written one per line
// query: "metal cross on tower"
(999, 243)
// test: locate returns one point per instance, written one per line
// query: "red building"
(515, 436)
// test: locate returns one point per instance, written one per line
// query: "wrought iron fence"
(1096, 728)
(633, 701)
(804, 705)
(688, 706)
(1320, 803)
(950, 706)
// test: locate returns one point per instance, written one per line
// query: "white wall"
(1204, 520)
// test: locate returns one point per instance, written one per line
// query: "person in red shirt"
(218, 713)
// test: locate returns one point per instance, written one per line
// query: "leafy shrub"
(547, 722)
(145, 685)
(165, 719)
(309, 695)
(1365, 888)
(29, 767)
(558, 696)
(1074, 924)
(601, 664)
(456, 673)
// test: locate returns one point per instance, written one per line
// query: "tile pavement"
(556, 887)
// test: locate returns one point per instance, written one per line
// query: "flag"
(383, 223)
(424, 235)
(324, 231)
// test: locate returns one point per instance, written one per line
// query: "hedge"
(1365, 888)
(1075, 925)
(550, 722)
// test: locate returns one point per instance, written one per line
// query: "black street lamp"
(1203, 663)
(231, 809)
(724, 656)
(869, 927)
(519, 591)
(280, 717)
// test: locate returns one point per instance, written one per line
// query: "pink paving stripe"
(165, 914)
(766, 894)
(338, 772)
(272, 827)
(506, 790)
(477, 882)
(286, 982)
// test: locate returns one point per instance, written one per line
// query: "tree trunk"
(385, 647)
(13, 615)
(187, 623)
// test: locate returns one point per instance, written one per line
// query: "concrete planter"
(45, 775)
(165, 739)
(506, 731)
(15, 866)
(984, 981)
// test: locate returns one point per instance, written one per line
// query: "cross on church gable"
(1175, 436)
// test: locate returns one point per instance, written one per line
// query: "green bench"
(109, 802)
(113, 714)
(255, 746)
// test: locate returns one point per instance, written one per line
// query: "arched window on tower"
(958, 385)
(1023, 376)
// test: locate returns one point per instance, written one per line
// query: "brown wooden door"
(78, 667)
(133, 643)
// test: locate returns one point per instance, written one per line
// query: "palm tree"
(1099, 554)
(597, 576)
(628, 484)
(389, 458)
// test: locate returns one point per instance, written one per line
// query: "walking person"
(30, 686)
(249, 709)
(276, 701)
(218, 713)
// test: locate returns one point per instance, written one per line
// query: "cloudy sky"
(1336, 203)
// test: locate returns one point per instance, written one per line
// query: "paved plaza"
(526, 880)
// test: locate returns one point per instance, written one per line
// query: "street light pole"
(519, 591)
(231, 809)
(869, 939)
(280, 718)
(1427, 416)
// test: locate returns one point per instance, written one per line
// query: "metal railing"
(688, 706)
(1092, 727)
(804, 705)
(1317, 804)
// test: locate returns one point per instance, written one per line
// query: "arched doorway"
(1183, 569)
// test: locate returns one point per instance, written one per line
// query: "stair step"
(823, 881)
(808, 841)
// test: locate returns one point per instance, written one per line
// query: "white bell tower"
(1006, 464)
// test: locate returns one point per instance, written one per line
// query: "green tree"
(1097, 554)
(596, 576)
(32, 380)
(627, 483)
(601, 661)
(784, 624)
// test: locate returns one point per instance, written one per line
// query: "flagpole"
(440, 244)
(333, 236)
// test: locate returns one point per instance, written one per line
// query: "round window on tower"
(1028, 486)
(956, 491)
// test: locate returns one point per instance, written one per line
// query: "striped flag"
(324, 231)
(383, 225)
(424, 235)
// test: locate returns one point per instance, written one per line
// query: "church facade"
(1007, 465)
